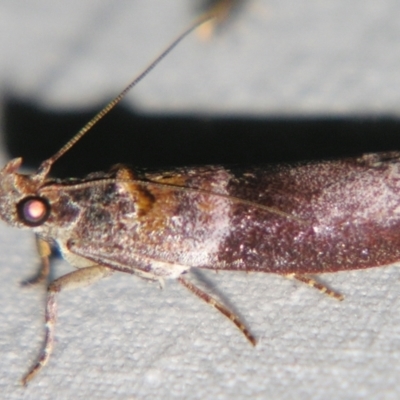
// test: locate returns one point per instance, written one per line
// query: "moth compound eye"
(33, 211)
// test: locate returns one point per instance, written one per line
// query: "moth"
(295, 220)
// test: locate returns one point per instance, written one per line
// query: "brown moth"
(294, 220)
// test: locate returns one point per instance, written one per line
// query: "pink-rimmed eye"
(33, 211)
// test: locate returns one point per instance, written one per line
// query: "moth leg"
(220, 10)
(220, 307)
(75, 279)
(44, 250)
(317, 285)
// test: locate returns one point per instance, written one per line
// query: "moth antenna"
(45, 166)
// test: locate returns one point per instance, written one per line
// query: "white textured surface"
(125, 338)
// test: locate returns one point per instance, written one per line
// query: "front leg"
(44, 250)
(81, 277)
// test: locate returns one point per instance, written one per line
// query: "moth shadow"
(160, 140)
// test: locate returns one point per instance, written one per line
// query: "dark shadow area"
(175, 140)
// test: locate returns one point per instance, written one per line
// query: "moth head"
(20, 204)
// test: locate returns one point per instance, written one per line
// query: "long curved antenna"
(46, 165)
